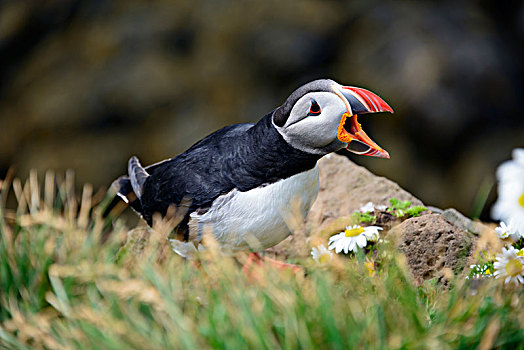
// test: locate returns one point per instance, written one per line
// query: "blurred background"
(86, 84)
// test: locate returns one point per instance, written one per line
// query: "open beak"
(359, 101)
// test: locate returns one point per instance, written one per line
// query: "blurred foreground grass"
(61, 287)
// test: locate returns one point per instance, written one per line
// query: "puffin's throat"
(342, 134)
(350, 130)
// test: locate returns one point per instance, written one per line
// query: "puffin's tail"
(137, 175)
(129, 187)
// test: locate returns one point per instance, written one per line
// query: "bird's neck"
(273, 158)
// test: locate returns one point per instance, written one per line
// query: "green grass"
(404, 208)
(62, 288)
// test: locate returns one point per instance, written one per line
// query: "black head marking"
(281, 114)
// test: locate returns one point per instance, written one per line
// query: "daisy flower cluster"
(356, 237)
(353, 237)
(509, 206)
(480, 271)
(509, 263)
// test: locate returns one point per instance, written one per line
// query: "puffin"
(244, 182)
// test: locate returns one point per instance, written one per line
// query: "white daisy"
(366, 208)
(480, 271)
(353, 237)
(369, 207)
(321, 254)
(509, 265)
(510, 202)
(508, 231)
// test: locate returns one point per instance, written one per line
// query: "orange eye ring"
(314, 109)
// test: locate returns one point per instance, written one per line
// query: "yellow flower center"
(324, 258)
(520, 252)
(371, 267)
(488, 272)
(521, 200)
(513, 267)
(353, 232)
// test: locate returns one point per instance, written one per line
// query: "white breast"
(256, 219)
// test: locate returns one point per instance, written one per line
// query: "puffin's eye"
(314, 109)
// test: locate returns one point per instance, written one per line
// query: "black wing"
(198, 176)
(241, 156)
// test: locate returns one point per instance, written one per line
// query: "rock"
(433, 246)
(344, 188)
(465, 223)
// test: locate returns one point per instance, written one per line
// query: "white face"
(311, 130)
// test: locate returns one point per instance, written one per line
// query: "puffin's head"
(321, 117)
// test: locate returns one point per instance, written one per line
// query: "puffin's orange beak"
(359, 101)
